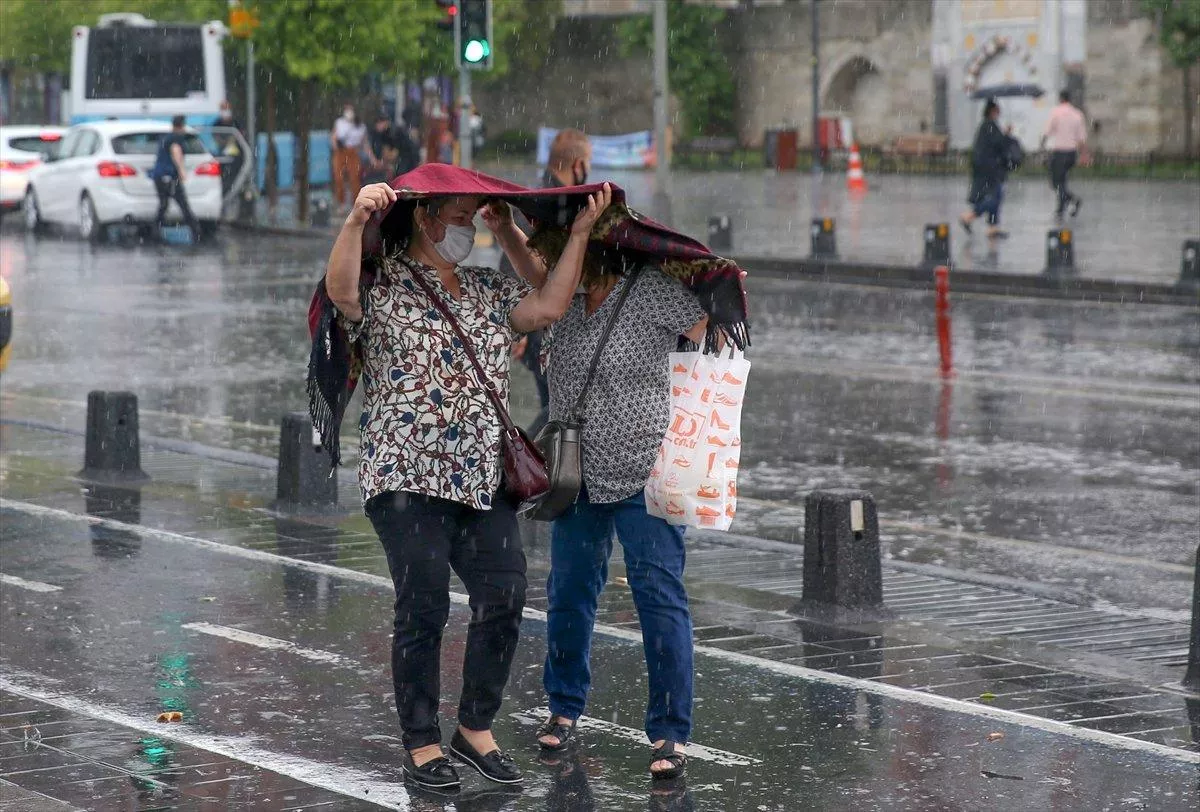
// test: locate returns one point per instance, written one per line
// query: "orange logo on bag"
(686, 424)
(708, 492)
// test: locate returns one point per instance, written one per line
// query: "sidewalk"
(1119, 256)
(952, 635)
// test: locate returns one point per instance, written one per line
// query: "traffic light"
(449, 14)
(473, 34)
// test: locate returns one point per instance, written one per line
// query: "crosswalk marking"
(32, 586)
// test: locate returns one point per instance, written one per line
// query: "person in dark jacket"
(993, 156)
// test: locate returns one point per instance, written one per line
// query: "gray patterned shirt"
(629, 404)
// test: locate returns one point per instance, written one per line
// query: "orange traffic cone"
(855, 180)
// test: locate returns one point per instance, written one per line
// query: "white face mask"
(457, 244)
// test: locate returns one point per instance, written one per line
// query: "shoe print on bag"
(708, 517)
(717, 422)
(718, 442)
(731, 464)
(680, 369)
(675, 510)
(708, 492)
(681, 462)
(725, 400)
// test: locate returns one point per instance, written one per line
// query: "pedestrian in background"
(381, 152)
(168, 174)
(994, 154)
(569, 164)
(346, 139)
(228, 146)
(430, 459)
(1066, 137)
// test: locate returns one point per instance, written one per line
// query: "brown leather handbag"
(525, 477)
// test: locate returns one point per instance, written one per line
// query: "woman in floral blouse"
(430, 463)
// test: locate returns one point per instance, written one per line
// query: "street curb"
(280, 231)
(974, 281)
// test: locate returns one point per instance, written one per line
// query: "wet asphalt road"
(1066, 451)
(284, 666)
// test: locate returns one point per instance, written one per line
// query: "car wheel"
(90, 227)
(33, 216)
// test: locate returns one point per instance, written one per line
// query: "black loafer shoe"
(438, 774)
(494, 766)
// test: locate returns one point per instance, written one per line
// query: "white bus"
(131, 67)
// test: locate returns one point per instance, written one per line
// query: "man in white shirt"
(1066, 137)
(346, 139)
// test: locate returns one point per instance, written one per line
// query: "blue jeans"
(580, 546)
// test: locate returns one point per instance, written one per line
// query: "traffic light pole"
(464, 118)
(662, 166)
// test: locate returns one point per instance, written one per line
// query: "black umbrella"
(1003, 91)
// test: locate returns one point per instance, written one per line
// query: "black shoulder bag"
(561, 441)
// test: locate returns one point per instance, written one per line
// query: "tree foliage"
(698, 68)
(1180, 29)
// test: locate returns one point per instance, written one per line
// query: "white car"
(21, 149)
(100, 176)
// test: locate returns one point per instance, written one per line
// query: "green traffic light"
(476, 51)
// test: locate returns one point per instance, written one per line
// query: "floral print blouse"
(427, 427)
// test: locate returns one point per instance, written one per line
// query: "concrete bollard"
(841, 550)
(1189, 268)
(112, 450)
(1192, 678)
(1060, 251)
(937, 244)
(304, 477)
(720, 234)
(824, 238)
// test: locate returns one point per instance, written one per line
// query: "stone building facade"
(892, 66)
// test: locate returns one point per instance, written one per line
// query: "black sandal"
(667, 753)
(563, 732)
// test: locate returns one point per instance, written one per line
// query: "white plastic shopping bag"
(694, 479)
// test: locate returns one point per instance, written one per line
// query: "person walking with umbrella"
(994, 154)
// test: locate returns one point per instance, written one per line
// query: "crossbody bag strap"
(484, 381)
(577, 412)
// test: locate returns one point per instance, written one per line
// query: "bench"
(919, 145)
(707, 150)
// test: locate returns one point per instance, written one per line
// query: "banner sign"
(629, 151)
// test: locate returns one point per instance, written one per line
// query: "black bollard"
(720, 234)
(937, 244)
(1189, 268)
(306, 477)
(1060, 251)
(112, 451)
(841, 550)
(320, 214)
(824, 238)
(1192, 678)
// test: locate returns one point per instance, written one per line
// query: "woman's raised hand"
(372, 198)
(589, 214)
(497, 215)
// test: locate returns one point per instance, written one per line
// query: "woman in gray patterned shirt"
(625, 417)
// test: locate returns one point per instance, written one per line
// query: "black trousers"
(1061, 163)
(171, 189)
(424, 538)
